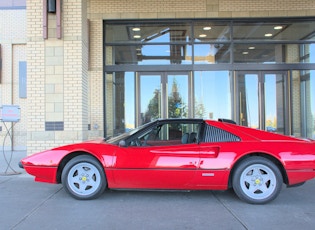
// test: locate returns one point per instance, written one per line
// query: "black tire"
(257, 180)
(83, 178)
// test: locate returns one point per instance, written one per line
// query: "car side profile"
(180, 154)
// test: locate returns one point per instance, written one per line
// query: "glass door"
(262, 101)
(162, 95)
(308, 104)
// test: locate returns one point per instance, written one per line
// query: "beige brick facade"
(65, 76)
(121, 9)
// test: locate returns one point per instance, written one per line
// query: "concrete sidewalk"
(26, 204)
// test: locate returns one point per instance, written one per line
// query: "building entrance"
(262, 101)
(162, 95)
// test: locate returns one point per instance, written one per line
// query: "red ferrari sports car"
(180, 154)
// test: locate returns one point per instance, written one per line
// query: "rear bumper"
(300, 176)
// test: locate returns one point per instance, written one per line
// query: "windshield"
(123, 136)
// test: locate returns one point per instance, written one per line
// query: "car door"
(217, 153)
(165, 156)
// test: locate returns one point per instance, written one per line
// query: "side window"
(173, 133)
(213, 134)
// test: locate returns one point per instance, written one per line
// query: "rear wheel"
(83, 178)
(257, 180)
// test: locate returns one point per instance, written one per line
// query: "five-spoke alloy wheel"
(83, 178)
(257, 180)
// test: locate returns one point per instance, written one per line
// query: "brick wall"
(58, 76)
(121, 9)
(36, 69)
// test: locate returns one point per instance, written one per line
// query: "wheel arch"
(260, 154)
(69, 157)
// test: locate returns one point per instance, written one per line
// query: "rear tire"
(257, 180)
(83, 178)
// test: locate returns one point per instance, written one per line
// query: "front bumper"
(21, 165)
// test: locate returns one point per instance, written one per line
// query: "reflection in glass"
(261, 101)
(148, 32)
(211, 53)
(211, 31)
(120, 99)
(161, 43)
(273, 31)
(164, 54)
(129, 101)
(257, 53)
(150, 98)
(151, 54)
(311, 120)
(307, 53)
(177, 96)
(308, 104)
(273, 53)
(274, 103)
(212, 95)
(248, 100)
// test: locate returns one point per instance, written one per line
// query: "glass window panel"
(248, 91)
(211, 31)
(177, 97)
(310, 105)
(150, 98)
(257, 53)
(274, 31)
(165, 54)
(274, 102)
(148, 32)
(212, 94)
(296, 103)
(211, 53)
(303, 103)
(109, 94)
(120, 102)
(129, 101)
(274, 53)
(150, 55)
(307, 53)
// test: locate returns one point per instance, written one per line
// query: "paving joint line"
(231, 211)
(37, 207)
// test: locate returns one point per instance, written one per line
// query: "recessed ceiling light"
(202, 35)
(136, 29)
(245, 52)
(268, 35)
(278, 27)
(207, 28)
(251, 47)
(136, 36)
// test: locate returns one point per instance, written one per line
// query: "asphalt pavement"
(25, 204)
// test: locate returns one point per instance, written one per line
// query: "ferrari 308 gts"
(180, 154)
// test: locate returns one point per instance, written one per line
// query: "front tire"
(83, 178)
(257, 180)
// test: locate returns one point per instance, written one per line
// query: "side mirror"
(122, 143)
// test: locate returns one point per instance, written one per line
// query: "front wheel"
(83, 178)
(257, 180)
